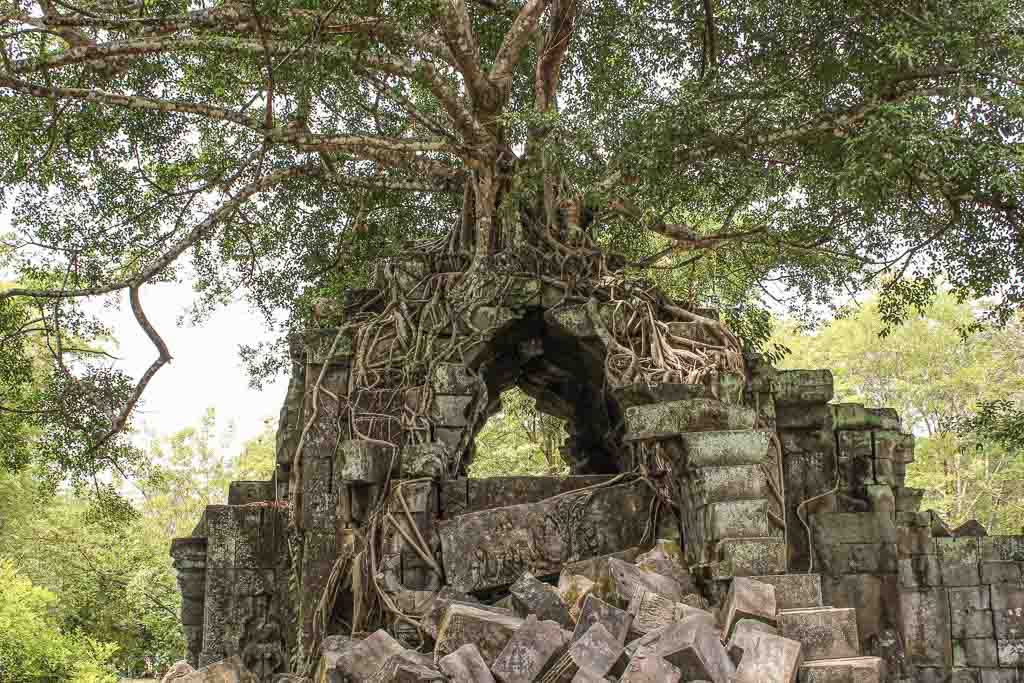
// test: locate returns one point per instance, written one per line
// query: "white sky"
(205, 369)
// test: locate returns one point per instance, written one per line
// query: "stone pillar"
(190, 564)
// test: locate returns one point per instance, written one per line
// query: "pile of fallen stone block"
(624, 617)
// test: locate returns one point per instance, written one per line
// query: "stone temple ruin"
(722, 522)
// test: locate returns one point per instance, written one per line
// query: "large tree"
(279, 143)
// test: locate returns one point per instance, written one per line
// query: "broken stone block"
(230, 670)
(651, 611)
(463, 624)
(678, 417)
(650, 669)
(588, 659)
(364, 660)
(751, 557)
(364, 462)
(424, 460)
(531, 596)
(465, 665)
(530, 650)
(769, 659)
(853, 670)
(724, 448)
(630, 580)
(824, 632)
(492, 548)
(666, 558)
(692, 645)
(794, 591)
(736, 519)
(410, 667)
(597, 611)
(748, 599)
(434, 612)
(331, 650)
(744, 634)
(574, 589)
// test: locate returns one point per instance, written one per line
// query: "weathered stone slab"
(652, 611)
(736, 519)
(748, 599)
(463, 624)
(410, 667)
(465, 665)
(644, 668)
(851, 670)
(666, 558)
(803, 386)
(751, 557)
(769, 658)
(744, 634)
(493, 548)
(367, 658)
(733, 482)
(794, 591)
(631, 579)
(531, 649)
(597, 611)
(364, 462)
(659, 420)
(693, 646)
(574, 589)
(596, 652)
(824, 632)
(530, 596)
(725, 448)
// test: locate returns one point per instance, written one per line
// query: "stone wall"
(757, 473)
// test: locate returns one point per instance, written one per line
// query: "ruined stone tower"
(672, 433)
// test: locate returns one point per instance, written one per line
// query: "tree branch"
(515, 40)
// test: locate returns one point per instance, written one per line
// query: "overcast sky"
(205, 370)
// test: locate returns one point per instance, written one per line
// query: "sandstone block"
(596, 611)
(530, 650)
(465, 665)
(726, 448)
(794, 591)
(363, 462)
(463, 624)
(851, 670)
(824, 632)
(748, 599)
(677, 417)
(926, 630)
(769, 659)
(631, 579)
(736, 519)
(692, 645)
(751, 557)
(530, 596)
(650, 669)
(365, 660)
(493, 548)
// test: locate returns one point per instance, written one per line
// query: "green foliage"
(953, 382)
(519, 440)
(108, 582)
(33, 647)
(734, 152)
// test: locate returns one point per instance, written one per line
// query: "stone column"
(190, 564)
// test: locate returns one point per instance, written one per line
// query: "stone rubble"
(769, 629)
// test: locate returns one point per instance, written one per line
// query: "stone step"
(750, 557)
(795, 591)
(673, 418)
(849, 670)
(734, 482)
(725, 448)
(825, 632)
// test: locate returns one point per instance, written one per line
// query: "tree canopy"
(275, 146)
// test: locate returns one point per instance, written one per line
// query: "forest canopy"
(740, 152)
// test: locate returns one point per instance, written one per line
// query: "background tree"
(519, 440)
(110, 582)
(279, 144)
(954, 385)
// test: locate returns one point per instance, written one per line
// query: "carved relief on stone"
(260, 638)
